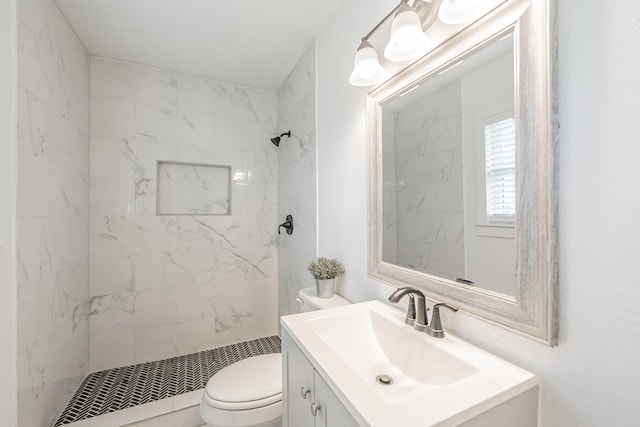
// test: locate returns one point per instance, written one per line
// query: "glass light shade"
(461, 11)
(407, 40)
(367, 70)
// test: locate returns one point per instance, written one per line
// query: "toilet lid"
(252, 382)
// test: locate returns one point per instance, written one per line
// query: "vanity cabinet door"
(298, 378)
(305, 392)
(332, 413)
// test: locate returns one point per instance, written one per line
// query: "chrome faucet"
(417, 311)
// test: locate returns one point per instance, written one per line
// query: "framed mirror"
(463, 179)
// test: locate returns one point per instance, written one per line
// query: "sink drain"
(384, 379)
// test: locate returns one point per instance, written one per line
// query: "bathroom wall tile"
(32, 195)
(35, 411)
(242, 135)
(173, 340)
(238, 159)
(263, 230)
(184, 269)
(46, 244)
(292, 276)
(264, 167)
(301, 82)
(68, 344)
(227, 100)
(111, 274)
(297, 242)
(128, 82)
(155, 307)
(128, 158)
(214, 97)
(68, 290)
(37, 62)
(45, 133)
(297, 181)
(222, 300)
(262, 199)
(127, 235)
(52, 62)
(129, 273)
(190, 337)
(112, 118)
(121, 312)
(111, 350)
(111, 313)
(116, 196)
(174, 126)
(33, 350)
(204, 232)
(140, 260)
(73, 65)
(52, 229)
(32, 250)
(68, 191)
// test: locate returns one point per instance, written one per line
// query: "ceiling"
(251, 42)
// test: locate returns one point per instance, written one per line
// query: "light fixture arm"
(379, 24)
(407, 41)
(431, 16)
(427, 19)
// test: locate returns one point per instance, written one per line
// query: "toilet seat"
(242, 406)
(251, 383)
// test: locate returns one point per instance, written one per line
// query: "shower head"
(276, 140)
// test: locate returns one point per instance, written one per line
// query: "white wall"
(8, 66)
(297, 180)
(591, 378)
(166, 285)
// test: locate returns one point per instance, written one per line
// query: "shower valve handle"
(287, 225)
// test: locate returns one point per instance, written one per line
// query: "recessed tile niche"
(193, 189)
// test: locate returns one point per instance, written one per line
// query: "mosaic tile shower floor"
(120, 388)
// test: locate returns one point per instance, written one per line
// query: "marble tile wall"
(297, 180)
(166, 285)
(52, 212)
(429, 184)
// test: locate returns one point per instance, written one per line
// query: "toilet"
(248, 393)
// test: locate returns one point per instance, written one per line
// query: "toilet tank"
(309, 301)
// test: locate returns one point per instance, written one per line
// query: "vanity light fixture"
(366, 69)
(407, 40)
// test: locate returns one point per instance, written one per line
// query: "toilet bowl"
(248, 393)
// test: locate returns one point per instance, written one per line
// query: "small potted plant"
(325, 271)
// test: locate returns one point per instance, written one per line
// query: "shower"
(276, 140)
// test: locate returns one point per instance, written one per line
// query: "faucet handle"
(435, 329)
(410, 319)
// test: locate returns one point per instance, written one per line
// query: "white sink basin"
(436, 381)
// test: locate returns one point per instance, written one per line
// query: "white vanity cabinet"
(305, 392)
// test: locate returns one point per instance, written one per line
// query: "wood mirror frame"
(533, 309)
